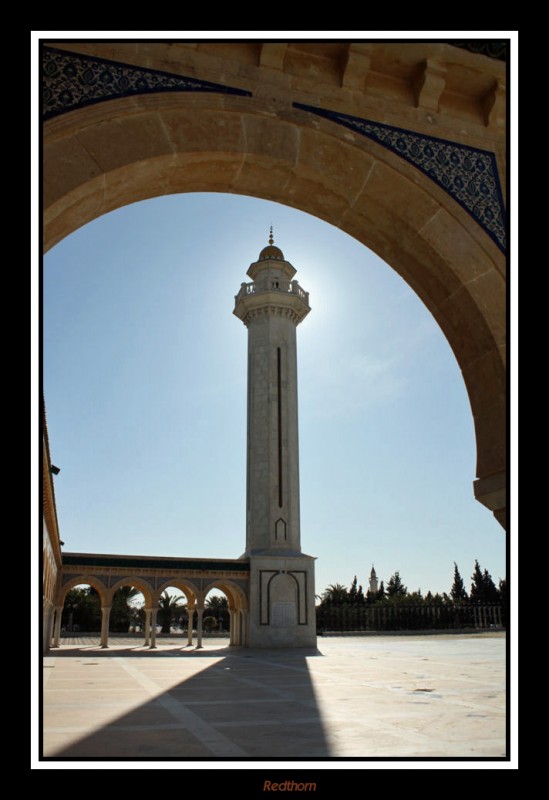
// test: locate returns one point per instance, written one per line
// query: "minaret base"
(282, 601)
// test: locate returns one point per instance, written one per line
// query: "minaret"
(271, 308)
(282, 578)
(373, 587)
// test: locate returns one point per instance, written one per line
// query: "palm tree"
(167, 604)
(122, 611)
(219, 607)
(215, 602)
(335, 594)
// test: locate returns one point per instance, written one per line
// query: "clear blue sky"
(145, 387)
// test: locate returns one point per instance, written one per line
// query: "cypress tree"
(395, 587)
(457, 592)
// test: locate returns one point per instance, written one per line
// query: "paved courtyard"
(368, 697)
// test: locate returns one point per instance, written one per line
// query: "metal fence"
(403, 617)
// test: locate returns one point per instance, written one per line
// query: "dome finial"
(271, 250)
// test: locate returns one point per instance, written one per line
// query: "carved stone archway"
(413, 174)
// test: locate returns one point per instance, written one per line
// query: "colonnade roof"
(154, 562)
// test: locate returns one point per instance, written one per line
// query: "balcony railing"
(286, 287)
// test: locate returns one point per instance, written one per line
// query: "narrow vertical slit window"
(248, 432)
(279, 381)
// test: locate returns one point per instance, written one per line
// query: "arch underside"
(153, 584)
(121, 151)
(82, 580)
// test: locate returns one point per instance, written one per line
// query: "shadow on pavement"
(232, 703)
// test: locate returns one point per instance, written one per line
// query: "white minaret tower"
(282, 611)
(373, 587)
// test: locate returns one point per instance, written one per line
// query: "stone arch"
(190, 592)
(88, 580)
(138, 583)
(113, 153)
(184, 585)
(238, 609)
(78, 580)
(233, 591)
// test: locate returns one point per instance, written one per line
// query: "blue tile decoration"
(493, 48)
(469, 175)
(72, 80)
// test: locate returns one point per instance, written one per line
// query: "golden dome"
(271, 252)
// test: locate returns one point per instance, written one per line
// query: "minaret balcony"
(272, 295)
(291, 287)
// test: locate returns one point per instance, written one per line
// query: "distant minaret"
(373, 587)
(282, 601)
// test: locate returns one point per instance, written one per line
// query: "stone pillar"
(199, 613)
(154, 612)
(48, 612)
(105, 614)
(241, 628)
(49, 631)
(147, 627)
(57, 627)
(190, 615)
(232, 624)
(238, 627)
(244, 628)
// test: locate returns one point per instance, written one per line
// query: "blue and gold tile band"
(72, 80)
(469, 175)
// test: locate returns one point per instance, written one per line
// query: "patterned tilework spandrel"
(469, 175)
(71, 80)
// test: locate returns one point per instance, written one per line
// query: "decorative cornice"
(72, 80)
(469, 175)
(273, 311)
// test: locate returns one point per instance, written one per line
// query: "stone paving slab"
(360, 697)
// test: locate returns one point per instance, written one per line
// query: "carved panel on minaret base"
(283, 597)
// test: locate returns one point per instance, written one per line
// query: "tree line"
(483, 591)
(82, 609)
